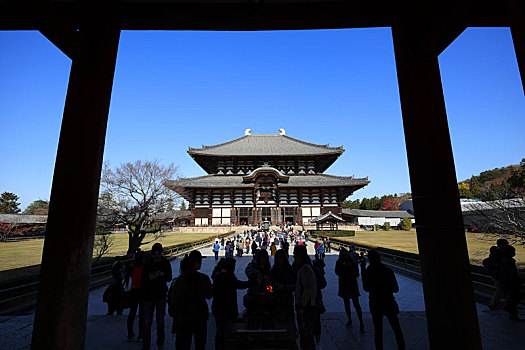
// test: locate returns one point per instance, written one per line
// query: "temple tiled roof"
(265, 145)
(378, 213)
(317, 180)
(327, 216)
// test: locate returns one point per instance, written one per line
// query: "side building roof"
(265, 145)
(378, 213)
(23, 219)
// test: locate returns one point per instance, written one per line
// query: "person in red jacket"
(135, 295)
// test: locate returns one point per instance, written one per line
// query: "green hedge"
(335, 233)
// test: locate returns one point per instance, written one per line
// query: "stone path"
(109, 332)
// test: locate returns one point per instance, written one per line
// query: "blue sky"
(178, 89)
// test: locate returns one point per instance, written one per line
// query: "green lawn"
(478, 243)
(29, 252)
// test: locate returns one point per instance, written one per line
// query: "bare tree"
(132, 195)
(500, 216)
(103, 242)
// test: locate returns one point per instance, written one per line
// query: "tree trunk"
(134, 242)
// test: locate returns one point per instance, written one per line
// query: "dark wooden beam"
(61, 312)
(516, 14)
(244, 15)
(449, 298)
(62, 34)
(445, 35)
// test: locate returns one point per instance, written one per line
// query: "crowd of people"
(295, 289)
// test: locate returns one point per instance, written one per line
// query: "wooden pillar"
(61, 312)
(516, 14)
(449, 298)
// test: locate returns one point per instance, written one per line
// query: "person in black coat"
(155, 276)
(348, 271)
(380, 282)
(254, 248)
(224, 305)
(509, 281)
(188, 302)
(283, 278)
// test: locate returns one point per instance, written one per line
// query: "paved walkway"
(109, 332)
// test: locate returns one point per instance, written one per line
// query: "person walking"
(319, 252)
(305, 294)
(348, 270)
(155, 276)
(135, 296)
(216, 248)
(380, 283)
(224, 305)
(190, 291)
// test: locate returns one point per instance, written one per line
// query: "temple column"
(61, 311)
(516, 14)
(449, 299)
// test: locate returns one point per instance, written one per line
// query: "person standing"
(135, 296)
(254, 248)
(283, 278)
(509, 281)
(305, 295)
(216, 248)
(224, 305)
(318, 266)
(155, 276)
(114, 292)
(493, 266)
(227, 250)
(273, 249)
(381, 284)
(190, 292)
(348, 270)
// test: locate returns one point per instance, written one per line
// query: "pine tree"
(8, 203)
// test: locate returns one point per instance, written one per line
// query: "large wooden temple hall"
(264, 177)
(88, 33)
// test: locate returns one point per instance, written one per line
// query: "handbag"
(124, 299)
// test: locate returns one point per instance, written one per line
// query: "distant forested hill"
(499, 183)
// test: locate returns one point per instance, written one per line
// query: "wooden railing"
(22, 298)
(409, 264)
